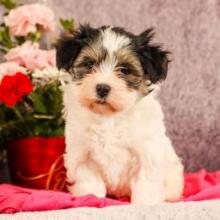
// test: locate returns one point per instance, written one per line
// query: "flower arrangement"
(30, 83)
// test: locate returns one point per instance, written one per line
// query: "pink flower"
(10, 68)
(30, 56)
(24, 19)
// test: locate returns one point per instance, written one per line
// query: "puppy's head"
(111, 68)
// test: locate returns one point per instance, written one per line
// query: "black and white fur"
(116, 143)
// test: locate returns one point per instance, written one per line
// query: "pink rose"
(30, 56)
(10, 68)
(24, 19)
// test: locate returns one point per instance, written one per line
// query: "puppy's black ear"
(153, 59)
(69, 47)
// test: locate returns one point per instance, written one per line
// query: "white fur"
(125, 154)
(113, 41)
(107, 67)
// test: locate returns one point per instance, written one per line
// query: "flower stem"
(21, 118)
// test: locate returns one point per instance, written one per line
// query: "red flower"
(14, 88)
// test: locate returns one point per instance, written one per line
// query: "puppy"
(116, 142)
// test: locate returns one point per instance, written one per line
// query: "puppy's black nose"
(102, 90)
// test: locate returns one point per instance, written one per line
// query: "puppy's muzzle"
(102, 90)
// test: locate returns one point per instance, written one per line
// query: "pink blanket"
(198, 186)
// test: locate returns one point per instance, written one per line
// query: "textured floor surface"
(191, 93)
(178, 211)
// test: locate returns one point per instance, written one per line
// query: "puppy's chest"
(109, 148)
(107, 139)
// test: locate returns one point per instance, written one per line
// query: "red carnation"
(14, 88)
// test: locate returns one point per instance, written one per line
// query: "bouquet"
(30, 83)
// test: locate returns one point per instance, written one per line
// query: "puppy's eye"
(125, 70)
(89, 63)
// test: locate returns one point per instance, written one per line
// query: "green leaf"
(9, 4)
(34, 37)
(47, 100)
(55, 98)
(67, 24)
(5, 39)
(39, 105)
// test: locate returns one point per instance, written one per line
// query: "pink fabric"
(202, 186)
(198, 186)
(15, 199)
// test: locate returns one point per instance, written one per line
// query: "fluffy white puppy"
(116, 143)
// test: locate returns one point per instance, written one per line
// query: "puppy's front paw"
(174, 183)
(82, 189)
(147, 192)
(174, 193)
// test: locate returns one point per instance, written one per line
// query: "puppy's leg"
(87, 181)
(174, 176)
(174, 181)
(81, 173)
(146, 189)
